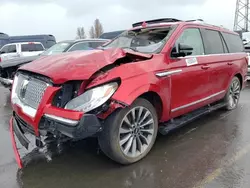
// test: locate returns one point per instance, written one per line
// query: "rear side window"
(96, 44)
(212, 42)
(80, 46)
(192, 37)
(234, 42)
(31, 47)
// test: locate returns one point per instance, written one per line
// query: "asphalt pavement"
(211, 152)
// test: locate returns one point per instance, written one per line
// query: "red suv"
(155, 77)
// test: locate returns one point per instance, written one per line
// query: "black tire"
(109, 138)
(233, 93)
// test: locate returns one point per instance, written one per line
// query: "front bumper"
(88, 126)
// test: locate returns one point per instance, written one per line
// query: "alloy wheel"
(234, 94)
(136, 131)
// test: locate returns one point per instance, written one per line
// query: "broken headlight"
(92, 98)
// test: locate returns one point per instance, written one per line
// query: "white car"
(23, 49)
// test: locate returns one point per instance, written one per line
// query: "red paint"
(192, 84)
(70, 66)
(17, 156)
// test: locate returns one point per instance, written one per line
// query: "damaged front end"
(45, 112)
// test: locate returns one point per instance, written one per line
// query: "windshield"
(146, 40)
(57, 48)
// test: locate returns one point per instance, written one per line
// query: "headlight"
(92, 98)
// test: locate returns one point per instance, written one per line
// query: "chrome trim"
(15, 100)
(198, 101)
(26, 109)
(62, 120)
(207, 55)
(168, 73)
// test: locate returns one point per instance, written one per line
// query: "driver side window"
(5, 49)
(192, 37)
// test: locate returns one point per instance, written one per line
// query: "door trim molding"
(168, 73)
(198, 101)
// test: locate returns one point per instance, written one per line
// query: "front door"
(9, 52)
(189, 83)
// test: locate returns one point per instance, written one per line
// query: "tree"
(96, 30)
(92, 32)
(80, 33)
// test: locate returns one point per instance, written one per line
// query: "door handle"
(230, 63)
(205, 67)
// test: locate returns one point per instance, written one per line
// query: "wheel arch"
(240, 77)
(150, 92)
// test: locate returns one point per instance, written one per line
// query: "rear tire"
(130, 133)
(233, 94)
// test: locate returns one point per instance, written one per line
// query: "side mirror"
(182, 50)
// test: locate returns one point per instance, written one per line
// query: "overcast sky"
(62, 17)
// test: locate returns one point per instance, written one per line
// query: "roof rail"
(156, 21)
(199, 20)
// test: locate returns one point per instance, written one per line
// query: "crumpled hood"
(78, 65)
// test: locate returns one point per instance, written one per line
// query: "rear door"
(189, 81)
(218, 60)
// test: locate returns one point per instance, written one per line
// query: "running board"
(165, 128)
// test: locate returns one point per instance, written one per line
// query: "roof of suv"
(172, 21)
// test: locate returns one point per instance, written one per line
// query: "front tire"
(130, 133)
(233, 94)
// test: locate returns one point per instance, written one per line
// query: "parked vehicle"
(4, 39)
(111, 35)
(15, 50)
(247, 50)
(46, 40)
(159, 75)
(9, 67)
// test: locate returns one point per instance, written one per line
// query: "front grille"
(30, 90)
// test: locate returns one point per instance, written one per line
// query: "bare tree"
(96, 30)
(92, 32)
(80, 33)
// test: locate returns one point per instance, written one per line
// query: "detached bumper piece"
(88, 126)
(6, 82)
(24, 139)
